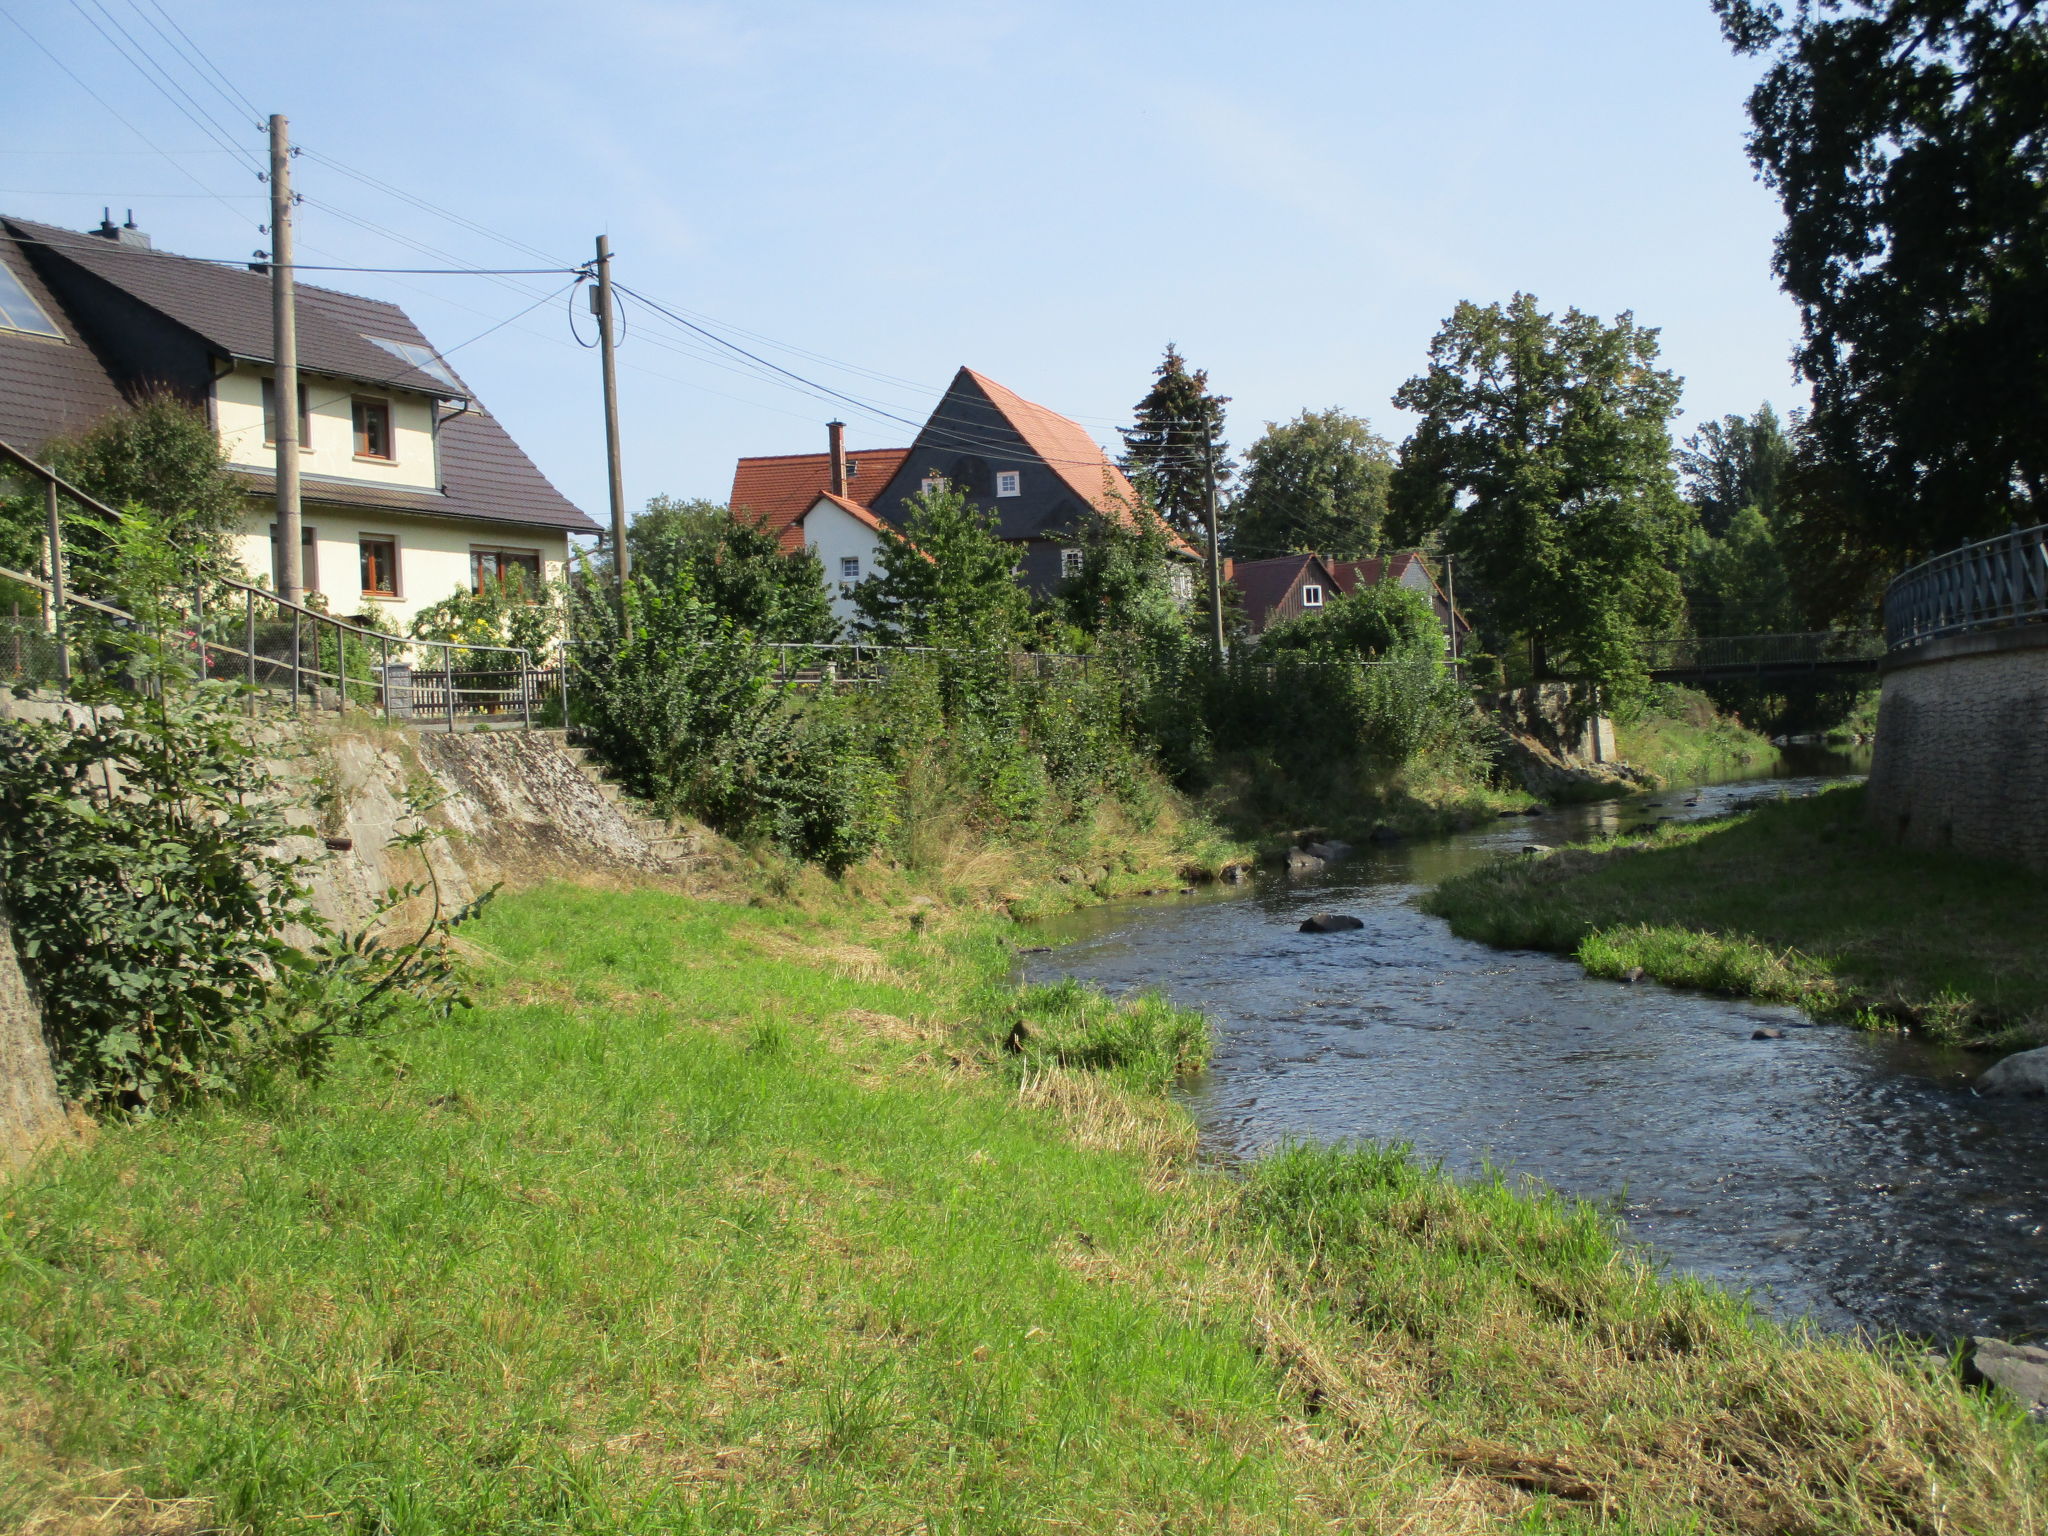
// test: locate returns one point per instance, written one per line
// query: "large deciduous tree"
(1736, 462)
(1908, 141)
(1173, 428)
(945, 580)
(1543, 464)
(736, 567)
(1318, 482)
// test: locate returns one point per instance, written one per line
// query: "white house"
(410, 489)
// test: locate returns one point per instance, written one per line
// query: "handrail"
(1986, 584)
(57, 599)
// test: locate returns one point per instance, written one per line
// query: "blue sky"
(1297, 194)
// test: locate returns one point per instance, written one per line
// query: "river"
(1847, 1177)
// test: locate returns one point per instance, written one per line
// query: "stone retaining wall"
(1962, 746)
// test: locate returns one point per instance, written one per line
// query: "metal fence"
(288, 652)
(853, 664)
(1989, 584)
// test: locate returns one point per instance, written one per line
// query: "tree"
(1125, 586)
(1175, 425)
(1736, 583)
(160, 454)
(1733, 463)
(1908, 142)
(736, 567)
(945, 580)
(1317, 483)
(1543, 462)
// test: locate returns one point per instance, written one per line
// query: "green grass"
(1683, 739)
(1799, 901)
(730, 1217)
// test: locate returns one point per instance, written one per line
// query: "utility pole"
(1215, 554)
(285, 345)
(1451, 597)
(602, 299)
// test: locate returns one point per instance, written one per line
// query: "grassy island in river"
(1796, 901)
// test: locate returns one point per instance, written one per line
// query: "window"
(849, 568)
(373, 428)
(420, 359)
(852, 468)
(488, 565)
(1009, 482)
(1070, 562)
(309, 564)
(931, 483)
(1311, 596)
(270, 416)
(19, 312)
(380, 566)
(1181, 582)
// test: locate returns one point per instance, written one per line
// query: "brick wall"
(1962, 747)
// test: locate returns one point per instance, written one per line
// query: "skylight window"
(19, 312)
(424, 359)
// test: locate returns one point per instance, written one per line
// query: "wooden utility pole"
(1451, 597)
(621, 564)
(285, 347)
(1215, 552)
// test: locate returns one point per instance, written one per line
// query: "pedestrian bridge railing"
(1708, 657)
(1989, 584)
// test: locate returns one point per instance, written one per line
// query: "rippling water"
(1850, 1177)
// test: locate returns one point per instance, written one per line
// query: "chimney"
(125, 234)
(836, 431)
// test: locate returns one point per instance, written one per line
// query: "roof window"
(421, 359)
(19, 312)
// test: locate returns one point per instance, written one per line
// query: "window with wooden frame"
(380, 566)
(270, 416)
(373, 428)
(1311, 596)
(492, 566)
(849, 567)
(1009, 482)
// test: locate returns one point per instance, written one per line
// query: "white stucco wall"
(837, 535)
(329, 448)
(433, 554)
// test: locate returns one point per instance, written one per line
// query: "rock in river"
(2020, 1369)
(1301, 862)
(2024, 1076)
(1331, 922)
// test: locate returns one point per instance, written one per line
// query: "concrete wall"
(30, 1113)
(1962, 747)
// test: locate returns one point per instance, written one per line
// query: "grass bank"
(724, 1215)
(1798, 901)
(1683, 739)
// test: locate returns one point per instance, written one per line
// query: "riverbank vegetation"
(721, 1216)
(1680, 736)
(1796, 901)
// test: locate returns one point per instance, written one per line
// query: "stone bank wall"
(1962, 747)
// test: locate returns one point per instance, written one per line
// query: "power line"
(165, 86)
(229, 91)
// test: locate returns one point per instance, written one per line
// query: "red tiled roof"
(781, 488)
(846, 504)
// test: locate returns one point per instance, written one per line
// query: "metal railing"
(236, 630)
(1989, 584)
(853, 663)
(1736, 655)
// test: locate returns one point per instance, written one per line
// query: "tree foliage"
(1908, 141)
(1733, 463)
(1736, 583)
(510, 611)
(159, 454)
(946, 579)
(1171, 435)
(735, 565)
(1317, 483)
(1543, 464)
(1372, 623)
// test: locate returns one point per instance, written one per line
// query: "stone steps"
(675, 844)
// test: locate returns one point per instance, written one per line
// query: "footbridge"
(1764, 658)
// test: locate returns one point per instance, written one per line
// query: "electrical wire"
(227, 88)
(167, 87)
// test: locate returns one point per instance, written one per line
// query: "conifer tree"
(1163, 450)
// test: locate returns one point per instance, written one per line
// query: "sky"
(870, 193)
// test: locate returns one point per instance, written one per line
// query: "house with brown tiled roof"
(411, 490)
(1285, 587)
(1040, 472)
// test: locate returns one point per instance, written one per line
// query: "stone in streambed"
(2018, 1369)
(1767, 1034)
(1331, 922)
(1301, 862)
(2024, 1076)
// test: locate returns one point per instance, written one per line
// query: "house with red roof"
(1040, 472)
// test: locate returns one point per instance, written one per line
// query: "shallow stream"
(1849, 1177)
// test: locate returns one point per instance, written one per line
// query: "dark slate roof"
(46, 389)
(229, 307)
(1267, 583)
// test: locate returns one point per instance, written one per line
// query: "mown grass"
(725, 1217)
(1683, 739)
(1798, 901)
